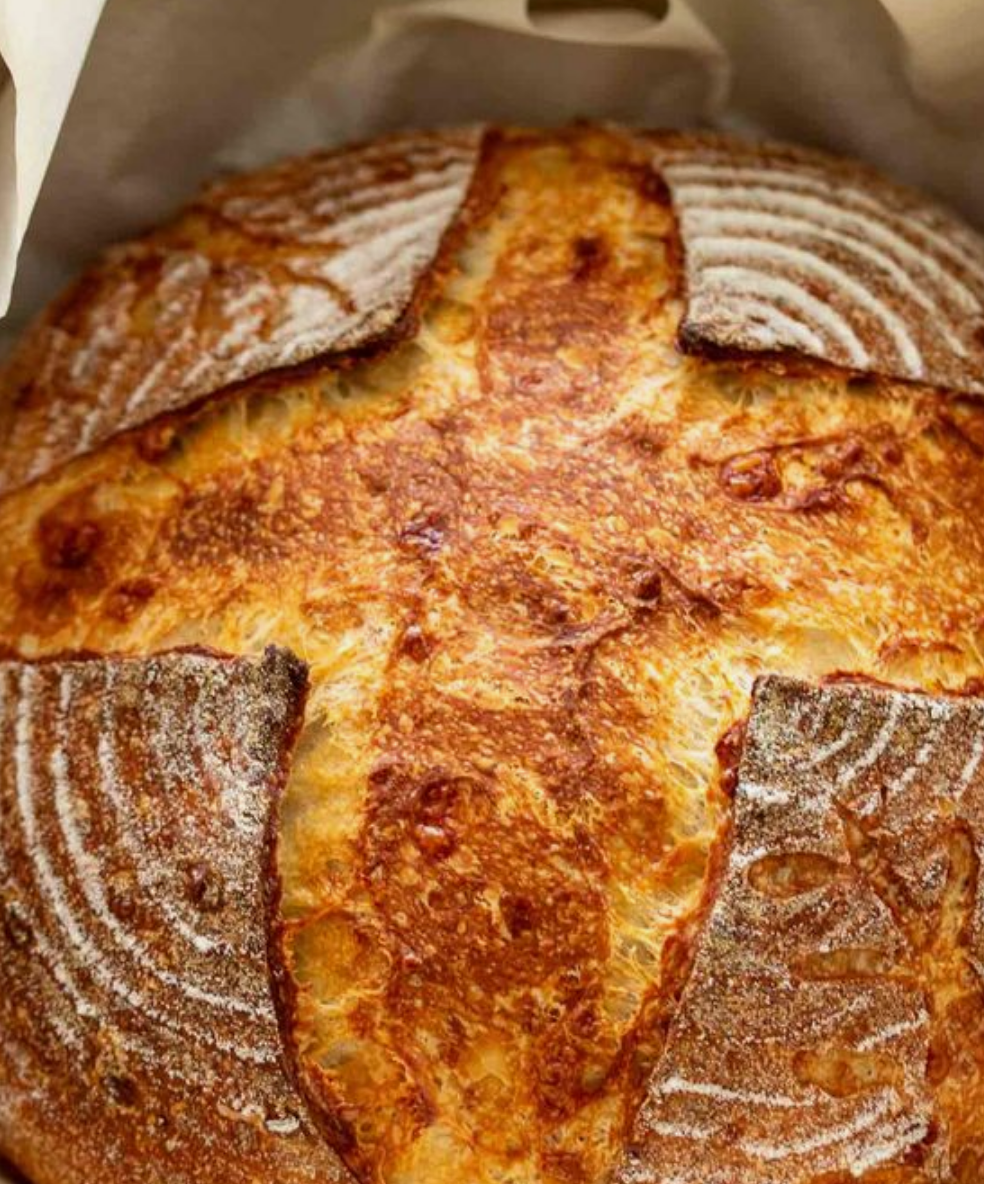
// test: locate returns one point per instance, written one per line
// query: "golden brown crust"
(792, 251)
(138, 1036)
(535, 558)
(314, 256)
(788, 252)
(832, 1025)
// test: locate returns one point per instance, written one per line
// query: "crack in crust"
(139, 1036)
(791, 251)
(313, 256)
(832, 1024)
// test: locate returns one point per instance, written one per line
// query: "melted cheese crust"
(535, 559)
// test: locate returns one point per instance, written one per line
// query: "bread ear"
(311, 257)
(787, 253)
(138, 800)
(840, 957)
(791, 252)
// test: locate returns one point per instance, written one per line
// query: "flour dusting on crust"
(825, 1025)
(313, 256)
(138, 1032)
(788, 250)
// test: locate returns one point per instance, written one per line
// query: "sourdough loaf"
(538, 448)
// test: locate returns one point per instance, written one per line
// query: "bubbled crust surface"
(267, 270)
(139, 1039)
(535, 558)
(833, 1025)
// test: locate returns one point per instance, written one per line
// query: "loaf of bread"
(392, 544)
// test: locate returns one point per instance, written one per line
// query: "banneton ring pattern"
(785, 251)
(137, 797)
(187, 311)
(166, 974)
(788, 250)
(827, 773)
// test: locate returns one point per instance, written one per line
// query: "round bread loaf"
(537, 448)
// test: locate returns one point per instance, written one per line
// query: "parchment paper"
(175, 91)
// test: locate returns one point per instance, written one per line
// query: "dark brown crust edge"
(153, 437)
(277, 664)
(901, 199)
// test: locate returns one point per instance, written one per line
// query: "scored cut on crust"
(786, 251)
(535, 557)
(317, 255)
(792, 251)
(833, 1022)
(137, 798)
